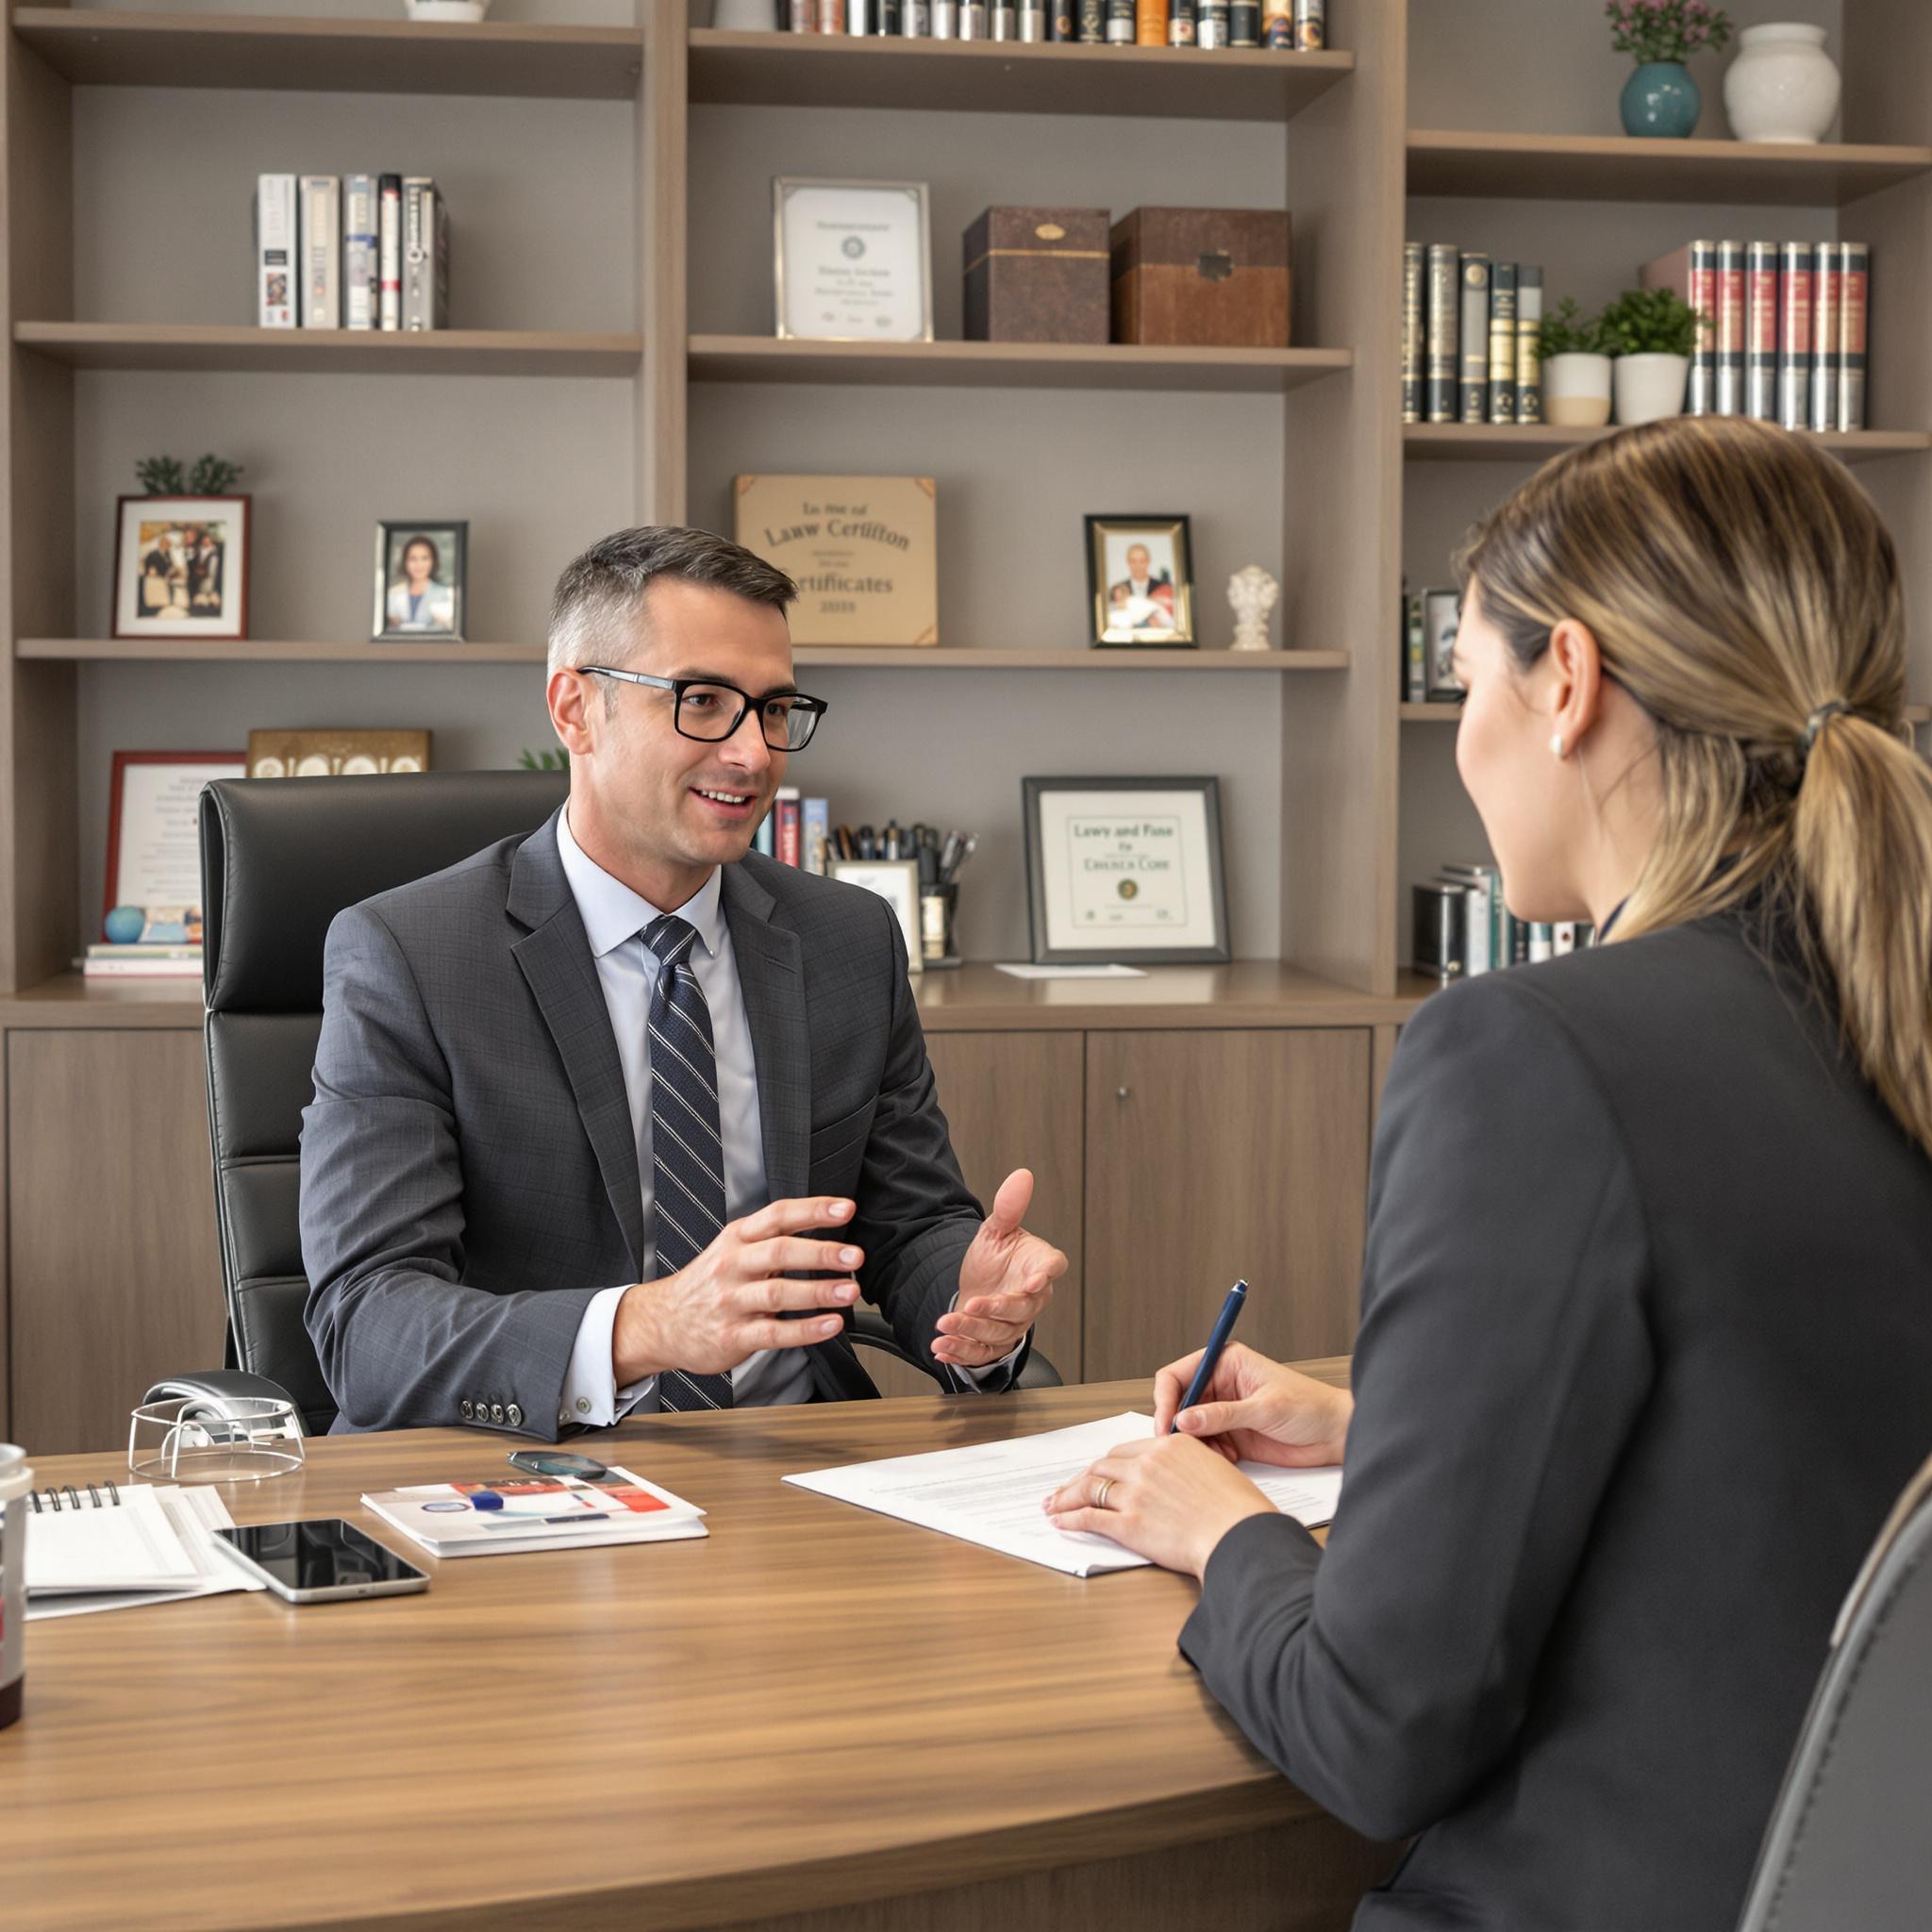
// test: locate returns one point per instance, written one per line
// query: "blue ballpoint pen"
(1210, 1355)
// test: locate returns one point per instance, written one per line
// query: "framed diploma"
(854, 261)
(1125, 868)
(154, 843)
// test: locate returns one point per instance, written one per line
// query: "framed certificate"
(1125, 868)
(854, 261)
(154, 843)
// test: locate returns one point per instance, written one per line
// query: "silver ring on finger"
(1105, 1483)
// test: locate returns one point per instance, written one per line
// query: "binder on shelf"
(361, 281)
(426, 255)
(275, 229)
(322, 251)
(1473, 386)
(389, 251)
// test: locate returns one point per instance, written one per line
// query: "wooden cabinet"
(114, 1273)
(1216, 1155)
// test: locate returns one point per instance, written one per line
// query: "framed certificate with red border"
(154, 843)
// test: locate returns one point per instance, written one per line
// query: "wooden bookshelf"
(1429, 714)
(1005, 77)
(1533, 442)
(539, 61)
(1589, 167)
(330, 352)
(1012, 365)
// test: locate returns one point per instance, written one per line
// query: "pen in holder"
(937, 906)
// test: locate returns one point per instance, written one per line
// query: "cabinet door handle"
(1122, 1093)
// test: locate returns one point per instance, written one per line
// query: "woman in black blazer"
(1646, 1341)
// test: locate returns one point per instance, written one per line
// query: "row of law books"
(1284, 25)
(1469, 336)
(1784, 329)
(351, 251)
(1462, 927)
(796, 831)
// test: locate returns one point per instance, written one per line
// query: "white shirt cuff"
(973, 1380)
(590, 1398)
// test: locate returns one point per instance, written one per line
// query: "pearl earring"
(1557, 748)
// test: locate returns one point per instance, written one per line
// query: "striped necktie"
(687, 1152)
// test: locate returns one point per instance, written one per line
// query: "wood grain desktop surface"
(817, 1717)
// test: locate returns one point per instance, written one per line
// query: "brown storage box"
(1201, 278)
(1037, 275)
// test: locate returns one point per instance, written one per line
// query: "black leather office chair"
(279, 858)
(1848, 1846)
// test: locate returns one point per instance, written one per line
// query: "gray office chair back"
(279, 858)
(1848, 1848)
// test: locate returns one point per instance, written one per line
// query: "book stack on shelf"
(141, 959)
(1784, 336)
(1462, 927)
(1469, 336)
(1283, 25)
(351, 251)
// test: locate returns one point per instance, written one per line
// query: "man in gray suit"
(617, 1117)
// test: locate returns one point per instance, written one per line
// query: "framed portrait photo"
(1125, 870)
(896, 881)
(852, 260)
(421, 568)
(181, 567)
(153, 843)
(1140, 581)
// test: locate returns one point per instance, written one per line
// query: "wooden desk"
(817, 1718)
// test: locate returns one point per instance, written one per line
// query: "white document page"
(192, 1514)
(1024, 972)
(990, 1494)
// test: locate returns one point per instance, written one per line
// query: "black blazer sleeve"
(1503, 1358)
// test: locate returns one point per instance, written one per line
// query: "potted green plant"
(1652, 334)
(1574, 354)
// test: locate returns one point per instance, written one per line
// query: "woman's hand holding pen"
(1171, 1498)
(1257, 1411)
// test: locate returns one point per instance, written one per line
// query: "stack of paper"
(130, 1545)
(993, 1494)
(537, 1513)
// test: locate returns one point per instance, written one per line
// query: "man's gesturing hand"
(1005, 1281)
(724, 1306)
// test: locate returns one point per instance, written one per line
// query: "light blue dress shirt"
(614, 919)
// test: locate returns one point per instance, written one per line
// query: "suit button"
(469, 1413)
(496, 1412)
(514, 1416)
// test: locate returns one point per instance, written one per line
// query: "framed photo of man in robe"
(1140, 582)
(181, 567)
(420, 569)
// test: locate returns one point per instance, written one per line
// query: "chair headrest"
(281, 857)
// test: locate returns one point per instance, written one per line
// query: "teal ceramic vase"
(1661, 98)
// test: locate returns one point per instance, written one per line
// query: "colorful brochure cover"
(476, 1519)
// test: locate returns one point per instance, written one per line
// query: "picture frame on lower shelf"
(1140, 582)
(153, 843)
(422, 571)
(1125, 871)
(895, 881)
(180, 567)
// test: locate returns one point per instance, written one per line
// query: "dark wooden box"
(1037, 275)
(1201, 278)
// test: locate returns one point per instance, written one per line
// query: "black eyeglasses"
(711, 711)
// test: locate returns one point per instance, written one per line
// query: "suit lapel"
(771, 979)
(554, 959)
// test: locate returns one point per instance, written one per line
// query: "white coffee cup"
(16, 1481)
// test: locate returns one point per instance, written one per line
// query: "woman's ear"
(1573, 670)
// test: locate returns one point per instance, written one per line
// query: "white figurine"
(1252, 592)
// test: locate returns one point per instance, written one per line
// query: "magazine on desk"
(537, 1513)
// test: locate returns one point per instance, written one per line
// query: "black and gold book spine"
(1244, 22)
(1502, 342)
(1439, 391)
(1474, 384)
(1091, 16)
(1529, 362)
(1414, 274)
(1181, 24)
(1211, 26)
(1122, 17)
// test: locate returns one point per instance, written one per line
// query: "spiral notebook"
(107, 1546)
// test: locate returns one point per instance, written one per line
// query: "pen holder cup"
(196, 1438)
(937, 906)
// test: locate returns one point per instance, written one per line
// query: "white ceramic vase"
(1576, 391)
(1650, 387)
(447, 9)
(1783, 85)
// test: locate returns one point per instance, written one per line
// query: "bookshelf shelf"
(1072, 658)
(1589, 167)
(1011, 365)
(330, 352)
(1430, 714)
(1531, 444)
(115, 49)
(1005, 77)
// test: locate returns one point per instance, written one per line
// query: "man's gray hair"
(601, 594)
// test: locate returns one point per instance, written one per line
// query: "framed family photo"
(1140, 581)
(420, 569)
(1125, 870)
(181, 567)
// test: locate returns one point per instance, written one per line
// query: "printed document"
(992, 1493)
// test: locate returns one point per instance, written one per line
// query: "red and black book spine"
(1730, 328)
(1703, 299)
(1795, 299)
(1827, 284)
(789, 849)
(1854, 272)
(1760, 330)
